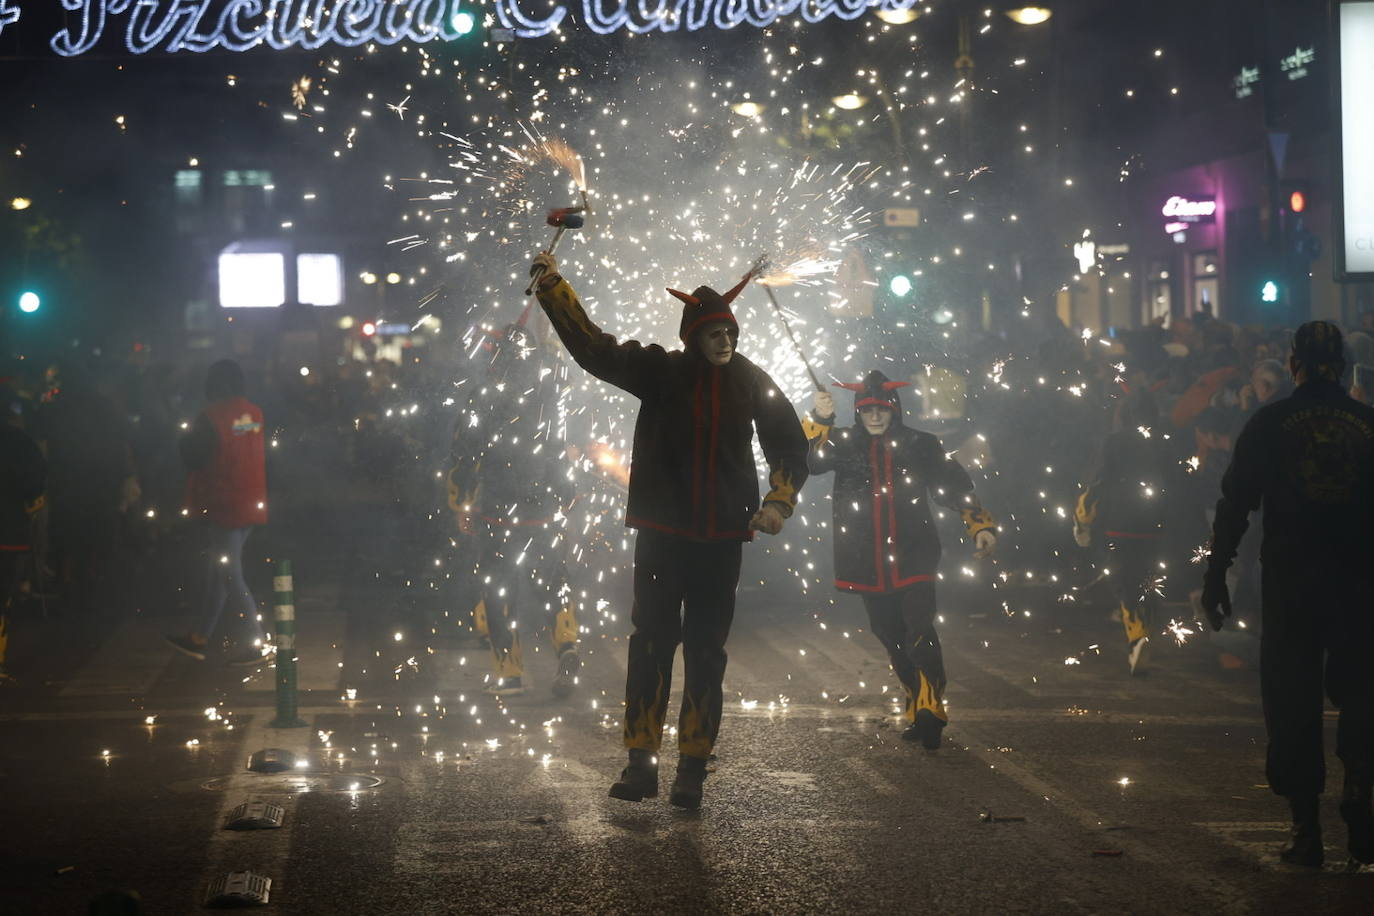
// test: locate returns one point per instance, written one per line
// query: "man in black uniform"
(1308, 459)
(509, 486)
(886, 548)
(1123, 500)
(694, 498)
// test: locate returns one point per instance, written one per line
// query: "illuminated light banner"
(642, 16)
(173, 26)
(1355, 138)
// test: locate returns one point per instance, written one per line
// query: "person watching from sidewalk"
(694, 499)
(886, 547)
(23, 474)
(1308, 460)
(226, 495)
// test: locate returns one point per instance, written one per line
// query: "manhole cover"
(297, 782)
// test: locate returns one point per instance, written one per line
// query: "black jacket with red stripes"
(692, 471)
(885, 537)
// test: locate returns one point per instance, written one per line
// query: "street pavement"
(1063, 786)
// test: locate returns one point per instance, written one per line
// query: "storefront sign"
(172, 26)
(1295, 65)
(1244, 82)
(1184, 210)
(1355, 128)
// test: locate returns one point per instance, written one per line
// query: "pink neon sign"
(1182, 209)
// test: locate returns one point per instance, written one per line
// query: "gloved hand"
(1216, 600)
(543, 265)
(768, 520)
(986, 542)
(823, 405)
(1082, 536)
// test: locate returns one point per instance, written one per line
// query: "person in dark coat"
(509, 487)
(1122, 508)
(23, 474)
(694, 500)
(226, 494)
(887, 550)
(1308, 460)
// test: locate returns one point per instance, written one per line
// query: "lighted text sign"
(1183, 210)
(1295, 64)
(173, 26)
(1356, 220)
(1245, 80)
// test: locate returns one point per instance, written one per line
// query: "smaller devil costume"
(886, 547)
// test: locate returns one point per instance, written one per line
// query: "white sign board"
(1357, 137)
(901, 216)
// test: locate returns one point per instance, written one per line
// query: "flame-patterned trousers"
(684, 593)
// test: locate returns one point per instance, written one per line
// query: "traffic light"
(463, 21)
(29, 302)
(900, 285)
(1269, 292)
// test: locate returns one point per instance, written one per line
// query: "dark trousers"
(904, 623)
(684, 592)
(520, 570)
(1318, 628)
(1134, 565)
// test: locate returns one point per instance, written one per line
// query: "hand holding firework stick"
(562, 219)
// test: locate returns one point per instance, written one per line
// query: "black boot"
(1305, 848)
(691, 773)
(927, 729)
(639, 780)
(1358, 814)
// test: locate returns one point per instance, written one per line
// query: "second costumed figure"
(886, 547)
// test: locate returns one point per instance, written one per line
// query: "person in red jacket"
(694, 500)
(226, 492)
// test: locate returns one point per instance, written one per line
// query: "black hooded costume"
(693, 490)
(886, 546)
(508, 473)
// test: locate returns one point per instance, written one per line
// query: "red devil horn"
(729, 295)
(888, 386)
(851, 386)
(685, 297)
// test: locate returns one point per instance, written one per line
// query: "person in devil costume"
(1308, 461)
(886, 547)
(1122, 506)
(694, 500)
(509, 486)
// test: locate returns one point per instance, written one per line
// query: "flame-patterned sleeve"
(784, 444)
(628, 365)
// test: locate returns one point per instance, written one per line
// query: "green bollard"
(285, 614)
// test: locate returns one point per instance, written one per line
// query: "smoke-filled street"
(783, 456)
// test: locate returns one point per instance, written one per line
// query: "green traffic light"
(1269, 292)
(900, 285)
(29, 302)
(463, 22)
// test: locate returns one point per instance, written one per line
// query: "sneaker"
(248, 657)
(1305, 847)
(927, 729)
(691, 774)
(1139, 655)
(187, 645)
(1359, 822)
(504, 687)
(639, 780)
(568, 666)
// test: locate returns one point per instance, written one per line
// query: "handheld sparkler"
(782, 316)
(562, 219)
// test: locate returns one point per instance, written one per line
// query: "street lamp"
(20, 203)
(747, 109)
(898, 17)
(1029, 15)
(850, 101)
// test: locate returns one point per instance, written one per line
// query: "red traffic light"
(369, 328)
(1297, 202)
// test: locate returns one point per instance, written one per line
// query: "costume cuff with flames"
(976, 518)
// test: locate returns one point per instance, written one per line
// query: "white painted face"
(716, 342)
(875, 419)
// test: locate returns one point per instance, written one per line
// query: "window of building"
(1206, 283)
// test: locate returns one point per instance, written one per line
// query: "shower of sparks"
(1179, 631)
(300, 92)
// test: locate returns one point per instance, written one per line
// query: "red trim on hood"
(874, 402)
(714, 316)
